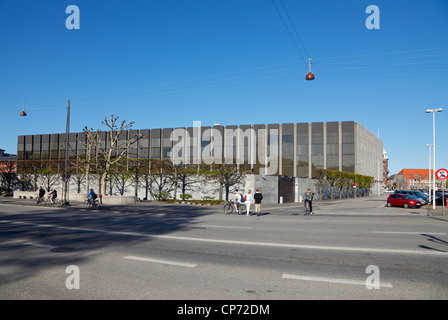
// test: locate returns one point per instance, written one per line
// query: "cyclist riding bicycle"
(53, 196)
(91, 196)
(237, 198)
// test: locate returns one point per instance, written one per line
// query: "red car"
(403, 200)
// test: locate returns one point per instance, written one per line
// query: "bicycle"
(306, 208)
(230, 208)
(56, 202)
(95, 204)
(42, 201)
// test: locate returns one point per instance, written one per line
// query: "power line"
(255, 74)
(289, 31)
(294, 27)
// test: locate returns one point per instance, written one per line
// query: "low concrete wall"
(112, 200)
(118, 200)
(24, 194)
(80, 197)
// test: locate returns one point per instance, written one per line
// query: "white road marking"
(303, 246)
(228, 227)
(174, 263)
(332, 280)
(250, 243)
(403, 232)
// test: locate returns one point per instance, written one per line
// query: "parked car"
(439, 199)
(419, 195)
(403, 200)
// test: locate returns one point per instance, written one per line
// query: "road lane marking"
(314, 247)
(227, 227)
(174, 263)
(250, 243)
(332, 280)
(410, 232)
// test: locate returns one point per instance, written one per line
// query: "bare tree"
(179, 174)
(78, 179)
(139, 168)
(116, 148)
(34, 168)
(161, 183)
(86, 161)
(49, 178)
(227, 175)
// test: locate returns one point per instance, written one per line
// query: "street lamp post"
(433, 111)
(66, 162)
(429, 172)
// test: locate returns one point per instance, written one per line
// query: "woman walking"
(248, 198)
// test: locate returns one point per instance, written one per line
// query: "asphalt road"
(350, 249)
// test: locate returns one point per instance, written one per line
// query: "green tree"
(227, 175)
(320, 176)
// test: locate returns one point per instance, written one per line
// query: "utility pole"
(65, 177)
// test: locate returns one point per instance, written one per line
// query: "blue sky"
(167, 63)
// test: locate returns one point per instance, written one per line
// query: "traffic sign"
(442, 174)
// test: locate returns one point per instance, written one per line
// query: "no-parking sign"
(442, 174)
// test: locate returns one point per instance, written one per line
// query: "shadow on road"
(435, 240)
(34, 238)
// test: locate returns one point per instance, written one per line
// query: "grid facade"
(289, 149)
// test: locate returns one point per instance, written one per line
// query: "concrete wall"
(24, 194)
(268, 186)
(80, 197)
(198, 188)
(368, 153)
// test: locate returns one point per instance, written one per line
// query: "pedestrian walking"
(41, 194)
(248, 198)
(258, 197)
(308, 199)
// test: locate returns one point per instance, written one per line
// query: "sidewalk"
(372, 205)
(365, 206)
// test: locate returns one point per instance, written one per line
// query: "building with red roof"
(414, 179)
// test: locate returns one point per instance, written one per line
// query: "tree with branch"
(85, 163)
(227, 175)
(115, 149)
(8, 173)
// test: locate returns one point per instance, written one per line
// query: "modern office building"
(286, 150)
(298, 148)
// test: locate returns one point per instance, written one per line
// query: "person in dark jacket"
(258, 197)
(41, 194)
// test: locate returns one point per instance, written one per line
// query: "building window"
(287, 149)
(155, 143)
(348, 146)
(317, 147)
(302, 150)
(333, 145)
